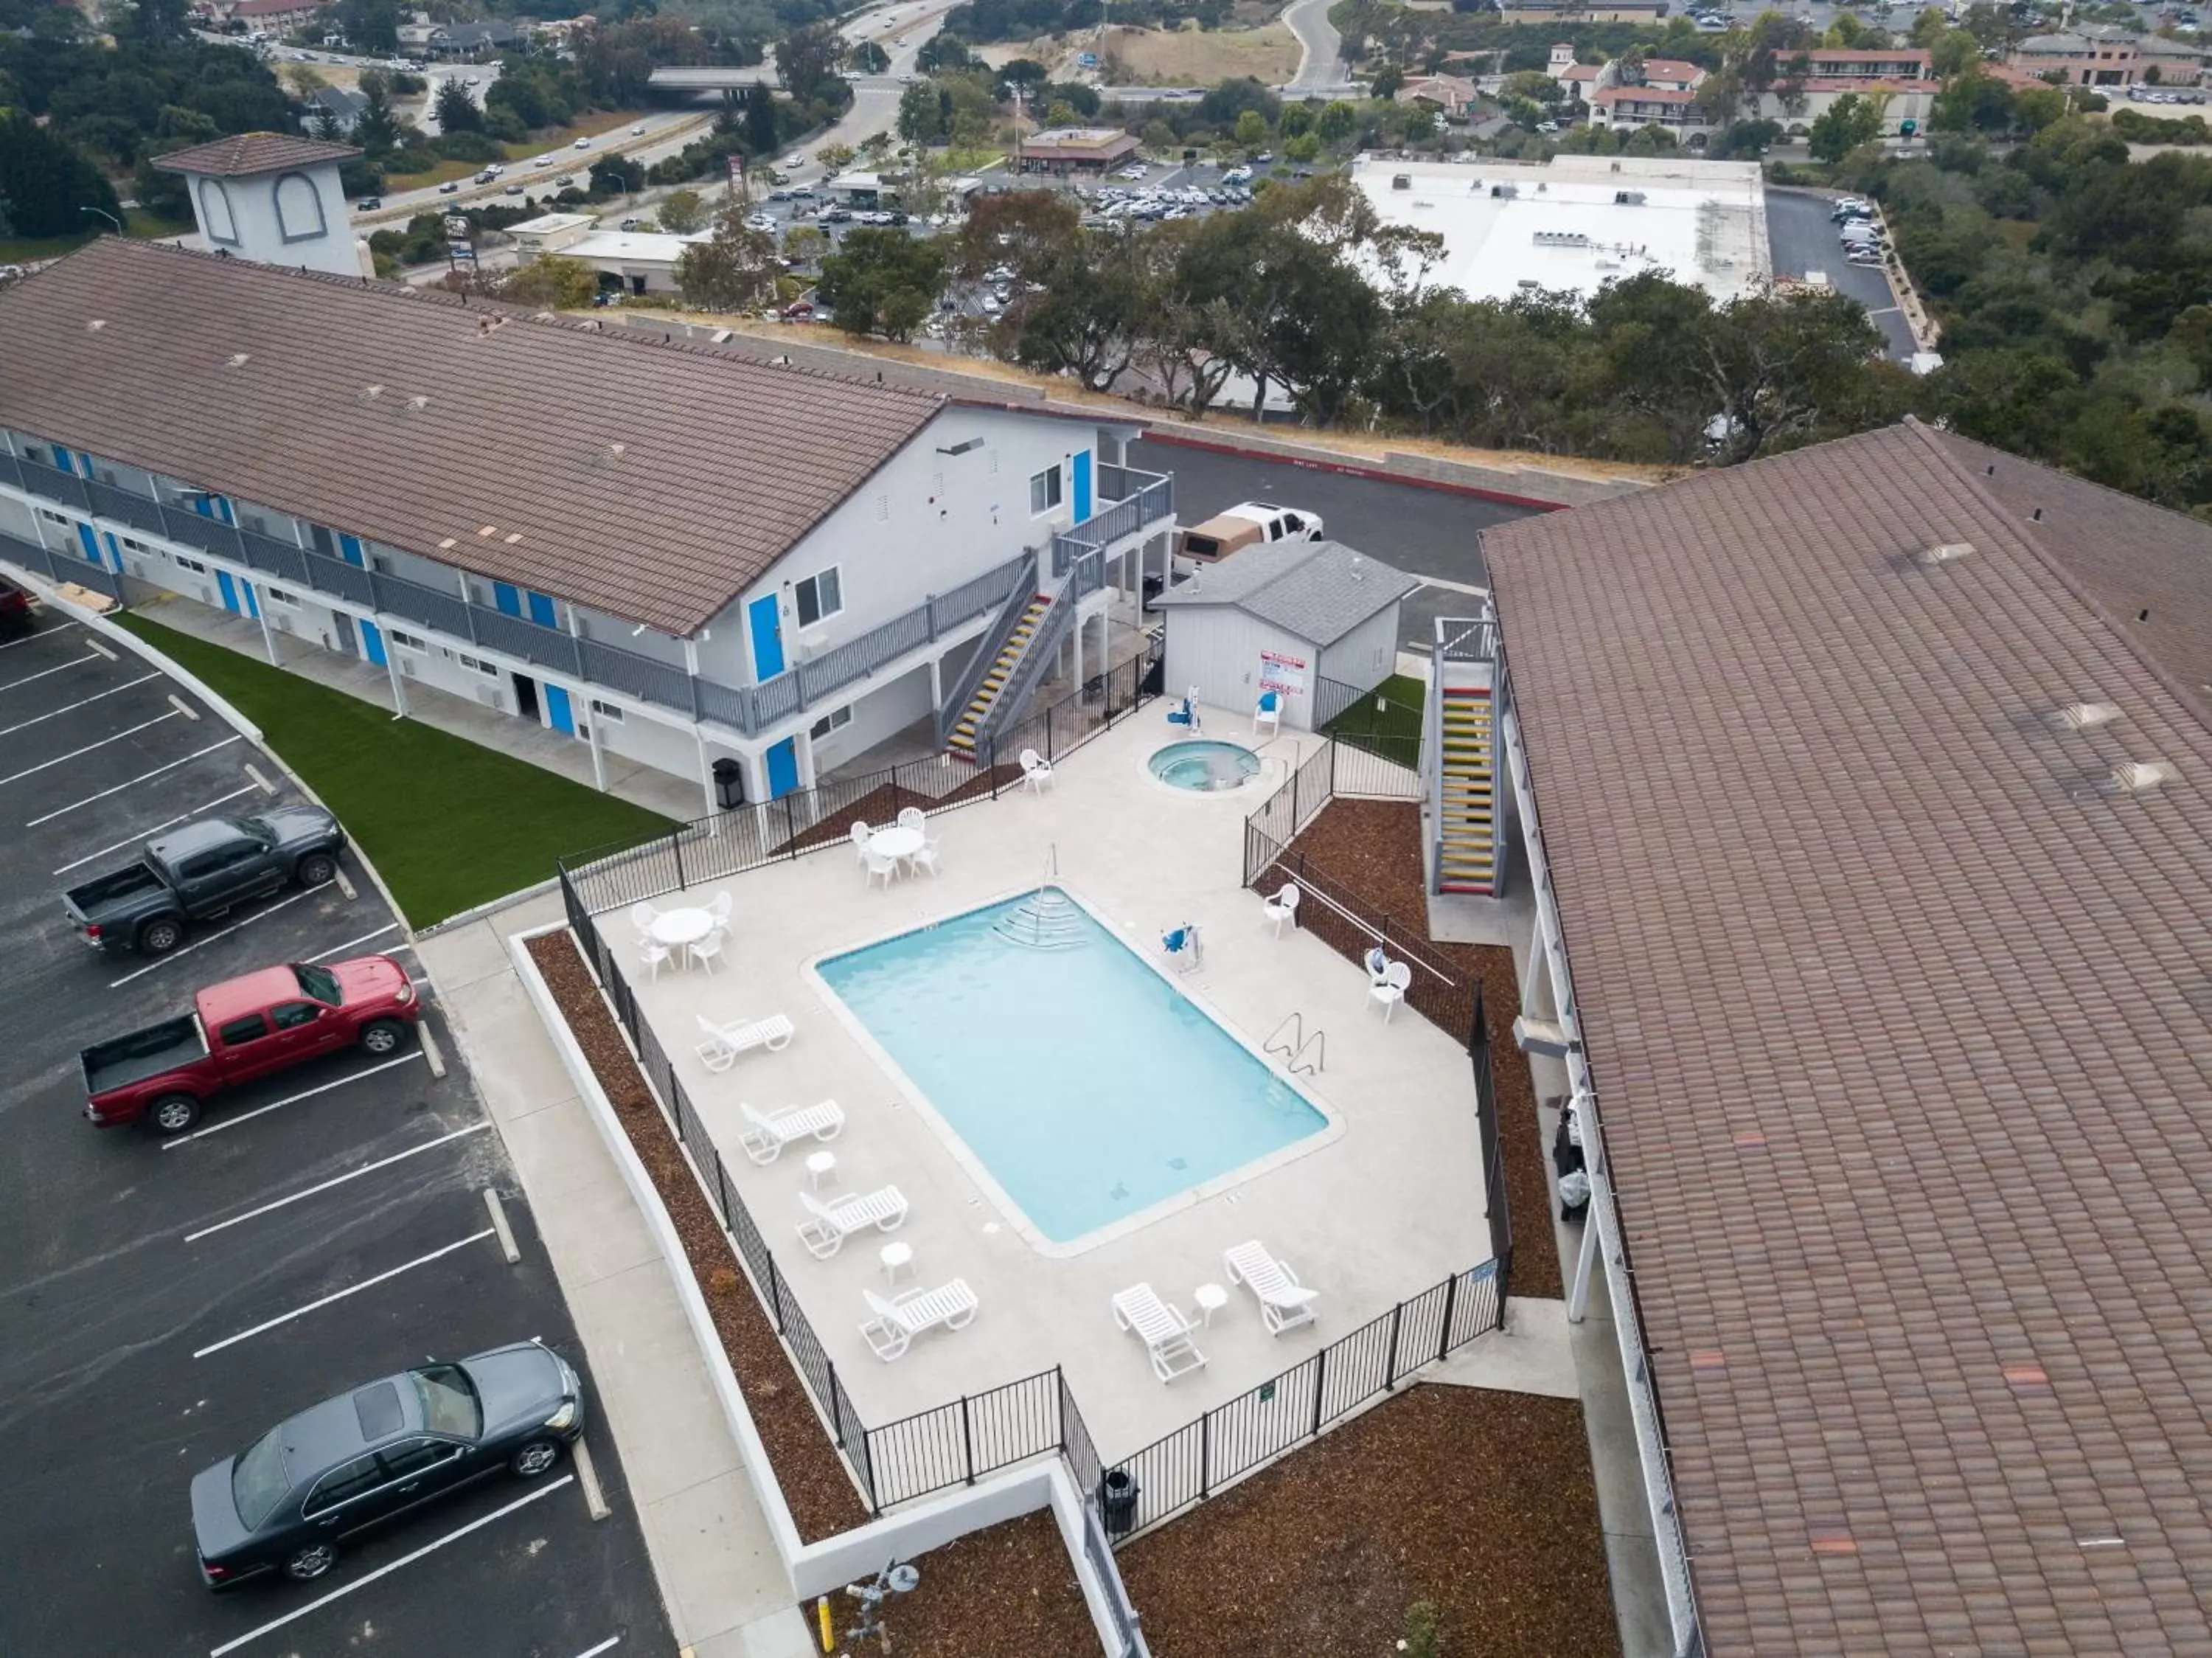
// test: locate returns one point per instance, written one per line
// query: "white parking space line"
(338, 1180)
(183, 707)
(74, 662)
(209, 938)
(289, 1100)
(147, 777)
(145, 834)
(367, 1578)
(67, 708)
(340, 1295)
(40, 634)
(323, 954)
(129, 731)
(612, 1641)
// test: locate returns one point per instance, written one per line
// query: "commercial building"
(2103, 56)
(664, 551)
(1663, 92)
(1071, 149)
(626, 261)
(1862, 793)
(1584, 11)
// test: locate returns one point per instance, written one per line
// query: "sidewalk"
(717, 1569)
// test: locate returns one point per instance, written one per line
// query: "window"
(318, 982)
(1044, 491)
(407, 641)
(346, 1481)
(836, 720)
(290, 1016)
(278, 596)
(481, 668)
(238, 1032)
(416, 1456)
(608, 712)
(449, 1400)
(54, 517)
(818, 596)
(192, 564)
(257, 1479)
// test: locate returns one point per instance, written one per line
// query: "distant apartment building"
(1583, 11)
(1663, 92)
(2102, 57)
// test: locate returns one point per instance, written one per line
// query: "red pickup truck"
(243, 1028)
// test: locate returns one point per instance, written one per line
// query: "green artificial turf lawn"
(448, 824)
(1402, 717)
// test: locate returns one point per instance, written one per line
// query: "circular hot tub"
(1204, 765)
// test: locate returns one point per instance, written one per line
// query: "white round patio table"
(678, 928)
(895, 843)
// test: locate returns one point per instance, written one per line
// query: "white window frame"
(1048, 484)
(834, 721)
(484, 667)
(407, 641)
(278, 596)
(813, 584)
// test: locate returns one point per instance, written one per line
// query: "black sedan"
(379, 1451)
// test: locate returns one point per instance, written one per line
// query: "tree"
(46, 183)
(1025, 230)
(870, 58)
(760, 121)
(1387, 83)
(1251, 130)
(921, 113)
(883, 281)
(682, 212)
(1845, 125)
(1093, 309)
(1336, 124)
(807, 60)
(834, 157)
(375, 129)
(550, 283)
(455, 110)
(734, 270)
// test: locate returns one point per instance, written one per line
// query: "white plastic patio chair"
(1037, 770)
(1285, 1303)
(908, 1314)
(724, 1043)
(858, 837)
(827, 1225)
(642, 916)
(1283, 907)
(1269, 712)
(910, 817)
(764, 1141)
(720, 908)
(1390, 989)
(651, 952)
(879, 865)
(1164, 1329)
(705, 950)
(927, 857)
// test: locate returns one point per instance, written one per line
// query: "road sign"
(457, 228)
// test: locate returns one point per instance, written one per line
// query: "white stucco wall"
(1217, 648)
(1368, 654)
(295, 218)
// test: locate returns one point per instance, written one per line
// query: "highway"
(1320, 66)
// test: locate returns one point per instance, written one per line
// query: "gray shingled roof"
(1899, 1014)
(1318, 590)
(247, 153)
(653, 481)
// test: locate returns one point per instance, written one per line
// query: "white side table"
(821, 1165)
(895, 1256)
(1211, 1299)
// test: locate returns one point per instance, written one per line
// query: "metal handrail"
(1084, 578)
(987, 646)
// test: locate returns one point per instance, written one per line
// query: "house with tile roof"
(1860, 796)
(675, 553)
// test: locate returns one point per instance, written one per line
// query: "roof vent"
(512, 536)
(240, 359)
(95, 325)
(2085, 717)
(418, 403)
(2036, 516)
(2141, 777)
(370, 393)
(1945, 552)
(489, 529)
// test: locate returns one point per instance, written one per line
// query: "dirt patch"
(1372, 849)
(1198, 57)
(1006, 1592)
(823, 1500)
(1480, 1503)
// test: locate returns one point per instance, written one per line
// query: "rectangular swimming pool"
(1087, 1085)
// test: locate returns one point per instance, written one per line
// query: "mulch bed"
(823, 1500)
(1372, 848)
(1480, 1503)
(1004, 1592)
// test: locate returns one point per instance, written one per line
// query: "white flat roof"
(633, 247)
(548, 224)
(1704, 222)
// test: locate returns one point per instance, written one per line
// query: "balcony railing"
(748, 709)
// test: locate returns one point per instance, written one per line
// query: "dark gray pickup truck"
(200, 870)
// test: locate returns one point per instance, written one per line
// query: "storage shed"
(1284, 617)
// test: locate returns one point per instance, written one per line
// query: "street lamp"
(104, 214)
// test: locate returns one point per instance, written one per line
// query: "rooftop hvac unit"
(1505, 191)
(1401, 182)
(1628, 198)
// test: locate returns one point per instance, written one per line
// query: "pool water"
(1087, 1085)
(1204, 765)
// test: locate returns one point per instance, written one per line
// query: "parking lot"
(169, 1301)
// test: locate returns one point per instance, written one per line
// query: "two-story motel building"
(668, 551)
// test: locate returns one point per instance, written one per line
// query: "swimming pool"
(1086, 1086)
(1204, 765)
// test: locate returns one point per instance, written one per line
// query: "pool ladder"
(1289, 1039)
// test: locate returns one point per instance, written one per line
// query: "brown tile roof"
(652, 481)
(1902, 1032)
(246, 153)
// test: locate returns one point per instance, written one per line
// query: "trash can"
(1117, 1502)
(729, 783)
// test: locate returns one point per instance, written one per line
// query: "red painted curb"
(1352, 469)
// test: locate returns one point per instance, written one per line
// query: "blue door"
(542, 611)
(90, 542)
(229, 590)
(1083, 487)
(223, 509)
(508, 600)
(349, 550)
(62, 459)
(783, 768)
(768, 637)
(558, 714)
(372, 642)
(114, 552)
(252, 599)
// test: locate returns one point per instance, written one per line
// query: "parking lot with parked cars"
(314, 1226)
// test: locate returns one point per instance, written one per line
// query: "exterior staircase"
(1466, 794)
(962, 739)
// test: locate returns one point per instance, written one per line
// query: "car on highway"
(638, 132)
(449, 187)
(244, 1029)
(793, 160)
(369, 204)
(202, 869)
(541, 161)
(513, 190)
(581, 143)
(564, 181)
(486, 176)
(367, 1456)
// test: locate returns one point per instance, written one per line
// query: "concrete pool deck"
(1383, 1208)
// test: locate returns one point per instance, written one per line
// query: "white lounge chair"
(1390, 988)
(704, 950)
(1285, 1303)
(764, 1141)
(724, 1043)
(1037, 770)
(1268, 711)
(879, 865)
(858, 837)
(1283, 907)
(906, 1315)
(826, 1226)
(1164, 1329)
